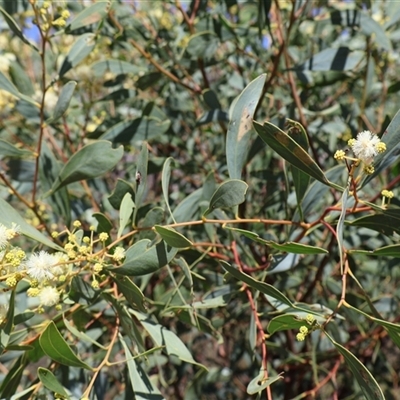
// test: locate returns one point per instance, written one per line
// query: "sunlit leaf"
(172, 237)
(90, 161)
(334, 59)
(143, 258)
(89, 15)
(259, 383)
(125, 213)
(241, 126)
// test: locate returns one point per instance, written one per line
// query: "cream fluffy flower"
(119, 253)
(3, 236)
(39, 266)
(49, 296)
(365, 147)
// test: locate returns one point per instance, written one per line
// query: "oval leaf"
(79, 50)
(54, 345)
(132, 293)
(51, 382)
(142, 258)
(125, 213)
(230, 193)
(172, 237)
(89, 15)
(90, 161)
(241, 126)
(63, 101)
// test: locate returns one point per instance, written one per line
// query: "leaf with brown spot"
(291, 151)
(240, 127)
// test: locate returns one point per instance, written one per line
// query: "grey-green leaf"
(6, 85)
(241, 126)
(90, 161)
(165, 177)
(16, 29)
(9, 150)
(89, 15)
(172, 237)
(54, 345)
(51, 382)
(142, 385)
(334, 59)
(141, 175)
(367, 382)
(230, 193)
(137, 130)
(132, 293)
(259, 383)
(391, 138)
(291, 151)
(143, 258)
(63, 101)
(9, 215)
(79, 51)
(164, 337)
(260, 286)
(289, 247)
(7, 328)
(125, 213)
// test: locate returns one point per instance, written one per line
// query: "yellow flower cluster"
(387, 193)
(305, 330)
(50, 275)
(46, 15)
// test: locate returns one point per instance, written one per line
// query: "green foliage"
(192, 203)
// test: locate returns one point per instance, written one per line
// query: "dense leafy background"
(137, 116)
